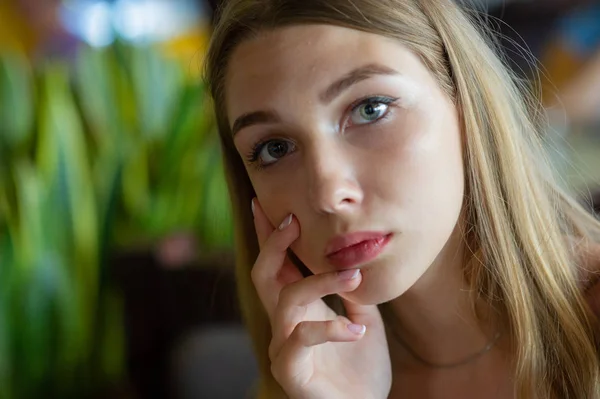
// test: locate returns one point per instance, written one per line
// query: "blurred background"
(115, 228)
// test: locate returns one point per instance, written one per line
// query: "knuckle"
(331, 327)
(272, 242)
(255, 274)
(281, 370)
(286, 296)
(276, 370)
(301, 332)
(272, 352)
(289, 314)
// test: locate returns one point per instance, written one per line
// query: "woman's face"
(349, 132)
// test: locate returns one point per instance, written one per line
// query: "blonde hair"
(524, 234)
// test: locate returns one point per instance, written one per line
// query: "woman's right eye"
(267, 153)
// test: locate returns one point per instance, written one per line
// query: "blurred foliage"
(101, 154)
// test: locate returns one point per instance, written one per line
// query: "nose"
(333, 186)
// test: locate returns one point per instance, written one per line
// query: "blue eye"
(370, 110)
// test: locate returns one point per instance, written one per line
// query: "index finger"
(262, 225)
(273, 269)
(264, 228)
(273, 244)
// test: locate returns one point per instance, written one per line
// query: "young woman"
(398, 234)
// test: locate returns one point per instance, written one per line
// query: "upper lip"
(340, 242)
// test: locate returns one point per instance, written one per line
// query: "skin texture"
(339, 166)
(402, 174)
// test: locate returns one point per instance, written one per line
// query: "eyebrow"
(353, 77)
(254, 118)
(333, 90)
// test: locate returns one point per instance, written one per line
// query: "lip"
(350, 250)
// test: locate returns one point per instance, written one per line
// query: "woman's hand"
(314, 353)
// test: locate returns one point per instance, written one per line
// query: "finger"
(270, 262)
(295, 354)
(262, 225)
(294, 300)
(264, 231)
(274, 251)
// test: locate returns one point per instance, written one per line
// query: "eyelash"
(373, 100)
(253, 156)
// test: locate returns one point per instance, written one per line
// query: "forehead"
(303, 60)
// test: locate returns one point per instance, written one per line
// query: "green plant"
(98, 155)
(148, 112)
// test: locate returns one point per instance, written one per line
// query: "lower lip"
(357, 254)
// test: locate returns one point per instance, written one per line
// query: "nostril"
(339, 200)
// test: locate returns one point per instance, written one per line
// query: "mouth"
(349, 251)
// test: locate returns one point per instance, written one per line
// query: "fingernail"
(252, 206)
(358, 329)
(286, 222)
(349, 274)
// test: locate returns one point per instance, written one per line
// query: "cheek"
(421, 166)
(278, 200)
(274, 194)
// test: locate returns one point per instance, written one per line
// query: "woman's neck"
(437, 317)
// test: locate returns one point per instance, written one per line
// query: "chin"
(380, 283)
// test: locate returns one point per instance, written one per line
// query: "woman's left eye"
(370, 110)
